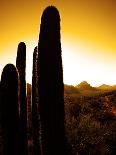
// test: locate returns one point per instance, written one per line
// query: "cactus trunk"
(9, 110)
(35, 107)
(21, 66)
(50, 84)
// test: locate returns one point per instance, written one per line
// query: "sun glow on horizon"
(78, 65)
(87, 37)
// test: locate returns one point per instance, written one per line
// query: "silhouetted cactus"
(21, 66)
(9, 110)
(1, 146)
(50, 83)
(35, 104)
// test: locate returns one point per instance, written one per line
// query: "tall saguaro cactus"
(35, 107)
(50, 83)
(21, 66)
(9, 110)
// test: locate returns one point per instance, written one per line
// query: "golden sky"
(88, 36)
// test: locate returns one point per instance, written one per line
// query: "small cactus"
(35, 108)
(9, 110)
(21, 66)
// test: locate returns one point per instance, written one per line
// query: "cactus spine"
(9, 110)
(21, 66)
(50, 83)
(35, 104)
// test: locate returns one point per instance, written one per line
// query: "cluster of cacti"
(47, 95)
(14, 106)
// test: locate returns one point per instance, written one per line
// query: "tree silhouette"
(50, 83)
(9, 110)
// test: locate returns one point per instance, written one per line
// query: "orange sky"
(88, 35)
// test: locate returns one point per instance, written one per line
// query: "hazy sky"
(88, 36)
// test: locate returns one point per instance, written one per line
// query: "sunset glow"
(88, 37)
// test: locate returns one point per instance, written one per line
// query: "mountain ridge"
(84, 85)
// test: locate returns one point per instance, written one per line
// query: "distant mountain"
(82, 89)
(69, 89)
(106, 87)
(85, 86)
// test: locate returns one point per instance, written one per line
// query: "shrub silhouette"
(35, 104)
(21, 66)
(50, 83)
(9, 110)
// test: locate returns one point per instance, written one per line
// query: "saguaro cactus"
(50, 83)
(35, 107)
(21, 66)
(9, 110)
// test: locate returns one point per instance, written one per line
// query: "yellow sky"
(88, 36)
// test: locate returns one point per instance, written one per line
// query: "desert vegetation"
(48, 117)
